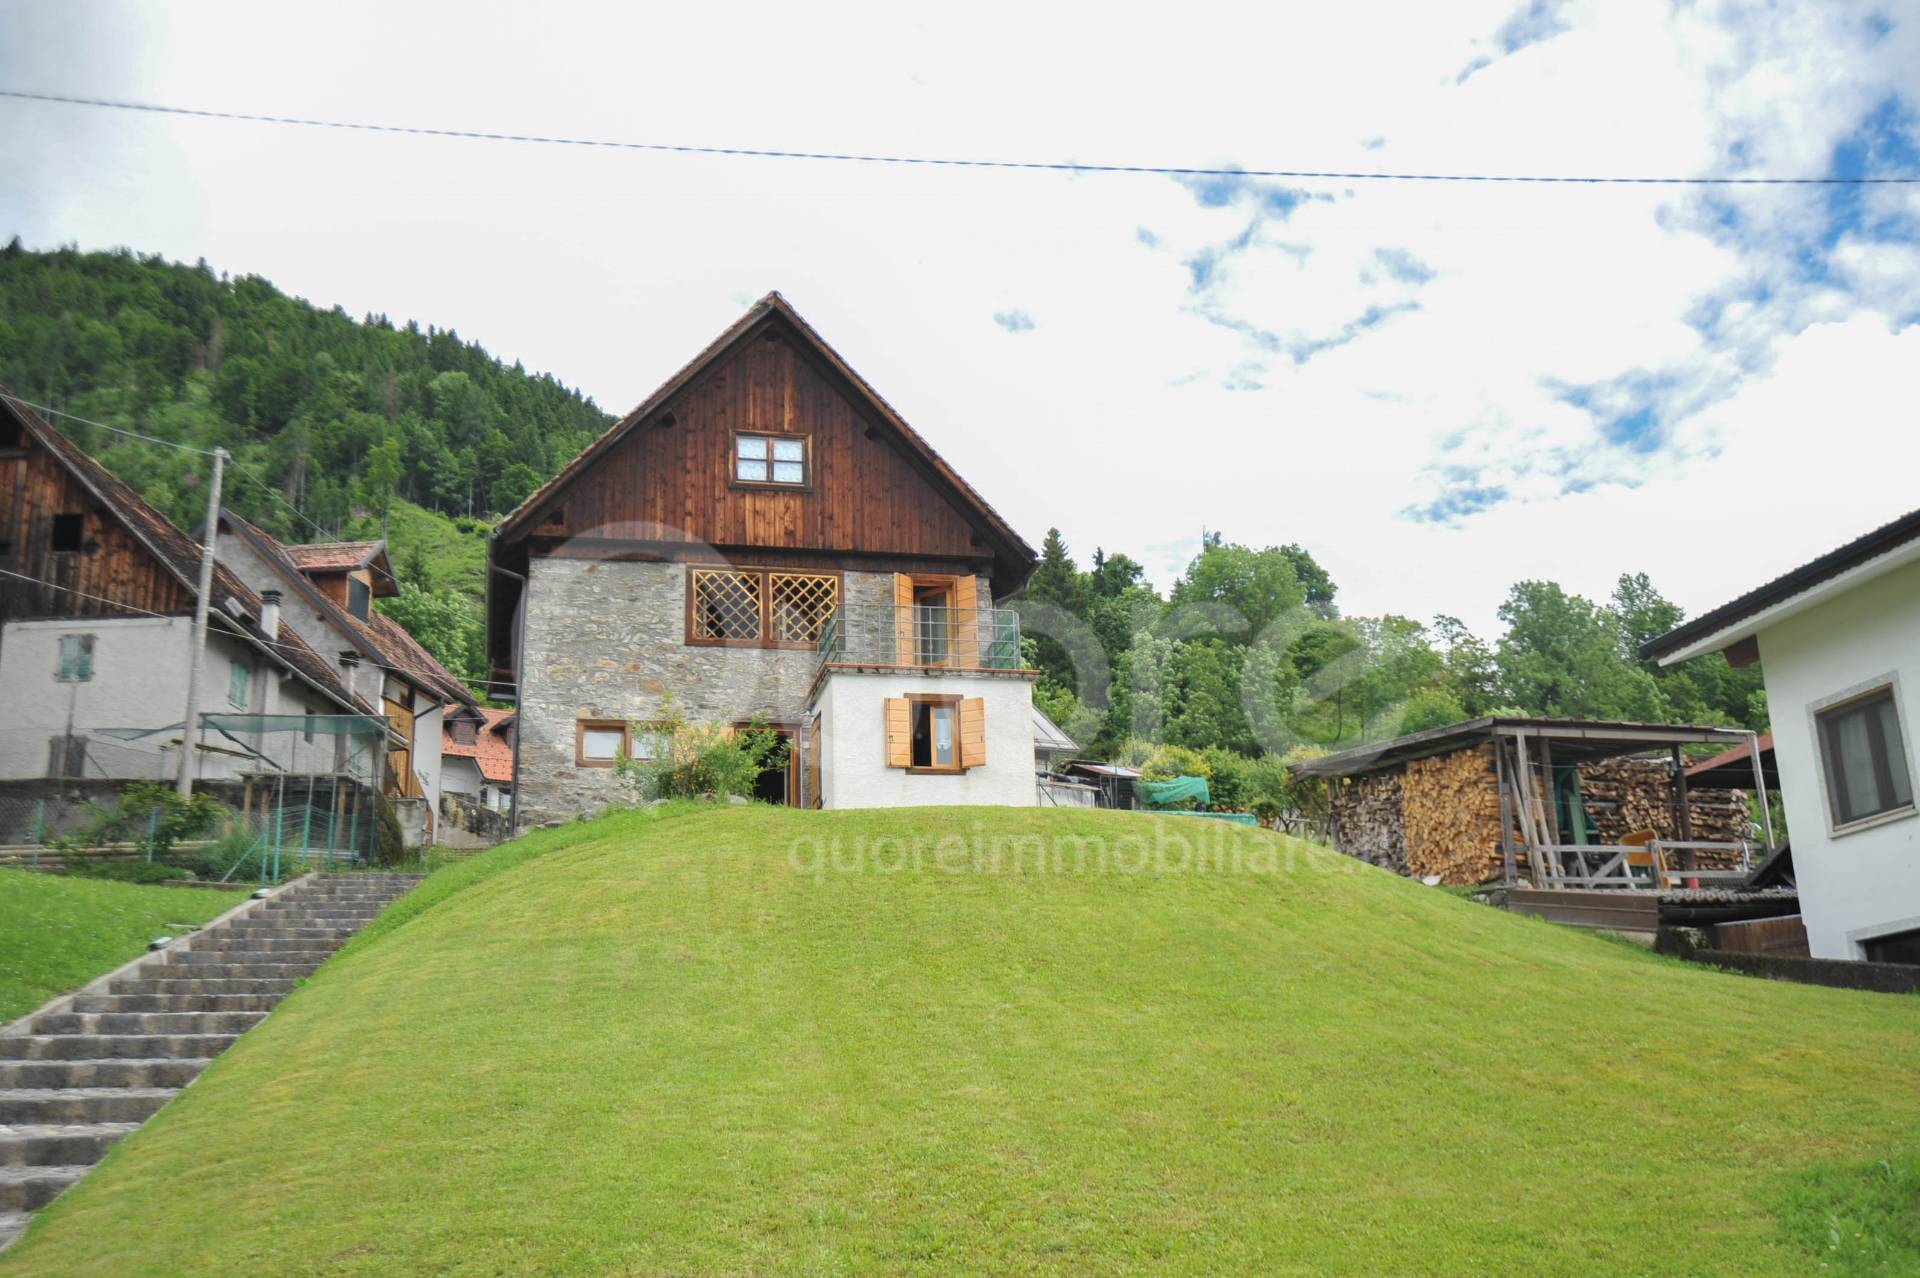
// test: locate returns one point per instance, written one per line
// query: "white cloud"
(1312, 392)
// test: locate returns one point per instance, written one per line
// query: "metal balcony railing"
(922, 636)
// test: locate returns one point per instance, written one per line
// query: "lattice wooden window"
(800, 605)
(726, 605)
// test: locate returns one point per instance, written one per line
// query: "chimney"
(270, 613)
(350, 670)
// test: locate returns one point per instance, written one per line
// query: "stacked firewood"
(1367, 821)
(1628, 795)
(1452, 813)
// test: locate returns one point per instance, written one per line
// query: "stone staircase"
(101, 1063)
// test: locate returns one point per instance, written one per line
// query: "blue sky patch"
(1014, 321)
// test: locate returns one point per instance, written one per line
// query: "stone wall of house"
(607, 640)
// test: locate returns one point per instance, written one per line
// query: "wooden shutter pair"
(972, 726)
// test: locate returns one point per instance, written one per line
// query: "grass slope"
(662, 1044)
(58, 933)
(455, 559)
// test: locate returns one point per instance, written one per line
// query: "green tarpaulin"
(1164, 794)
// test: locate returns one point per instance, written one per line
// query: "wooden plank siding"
(671, 479)
(112, 563)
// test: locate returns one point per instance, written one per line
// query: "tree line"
(1249, 656)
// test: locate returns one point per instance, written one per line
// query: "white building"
(1839, 642)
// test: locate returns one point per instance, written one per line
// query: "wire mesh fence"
(288, 793)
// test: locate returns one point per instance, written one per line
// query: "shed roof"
(1573, 740)
(328, 557)
(1047, 735)
(1733, 769)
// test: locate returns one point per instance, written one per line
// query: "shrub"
(1170, 761)
(696, 759)
(1305, 797)
(1230, 781)
(1134, 751)
(151, 816)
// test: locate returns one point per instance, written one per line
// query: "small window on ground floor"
(936, 732)
(1865, 758)
(1899, 947)
(599, 743)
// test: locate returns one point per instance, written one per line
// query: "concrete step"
(12, 1225)
(31, 1188)
(127, 1072)
(58, 1144)
(230, 958)
(30, 1105)
(245, 970)
(288, 932)
(148, 1022)
(221, 942)
(277, 986)
(113, 1047)
(92, 1004)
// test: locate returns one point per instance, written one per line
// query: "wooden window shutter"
(903, 619)
(973, 732)
(814, 747)
(963, 643)
(899, 733)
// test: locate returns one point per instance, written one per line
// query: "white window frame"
(1890, 684)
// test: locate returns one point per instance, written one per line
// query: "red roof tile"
(490, 748)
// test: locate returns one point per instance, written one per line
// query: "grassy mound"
(58, 933)
(755, 1041)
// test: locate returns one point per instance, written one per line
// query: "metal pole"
(190, 727)
(1760, 785)
(519, 658)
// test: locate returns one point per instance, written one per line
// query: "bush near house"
(702, 1040)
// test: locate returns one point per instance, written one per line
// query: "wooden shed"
(1605, 804)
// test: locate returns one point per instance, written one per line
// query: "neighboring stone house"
(477, 755)
(765, 537)
(328, 591)
(97, 594)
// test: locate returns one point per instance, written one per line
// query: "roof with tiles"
(378, 637)
(491, 749)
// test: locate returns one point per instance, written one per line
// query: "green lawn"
(685, 1043)
(58, 933)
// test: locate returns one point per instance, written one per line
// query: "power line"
(266, 485)
(118, 430)
(1051, 166)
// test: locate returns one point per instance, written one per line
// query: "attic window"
(779, 461)
(358, 597)
(10, 434)
(69, 533)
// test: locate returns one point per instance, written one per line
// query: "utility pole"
(190, 729)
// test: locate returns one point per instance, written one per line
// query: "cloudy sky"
(1440, 389)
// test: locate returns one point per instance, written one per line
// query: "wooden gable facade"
(663, 483)
(66, 548)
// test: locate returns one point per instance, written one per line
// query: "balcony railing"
(921, 636)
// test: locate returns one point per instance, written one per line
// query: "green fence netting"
(1165, 794)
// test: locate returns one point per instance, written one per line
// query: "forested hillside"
(336, 424)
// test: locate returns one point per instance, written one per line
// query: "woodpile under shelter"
(1554, 803)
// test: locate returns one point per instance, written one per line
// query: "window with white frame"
(776, 460)
(1864, 758)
